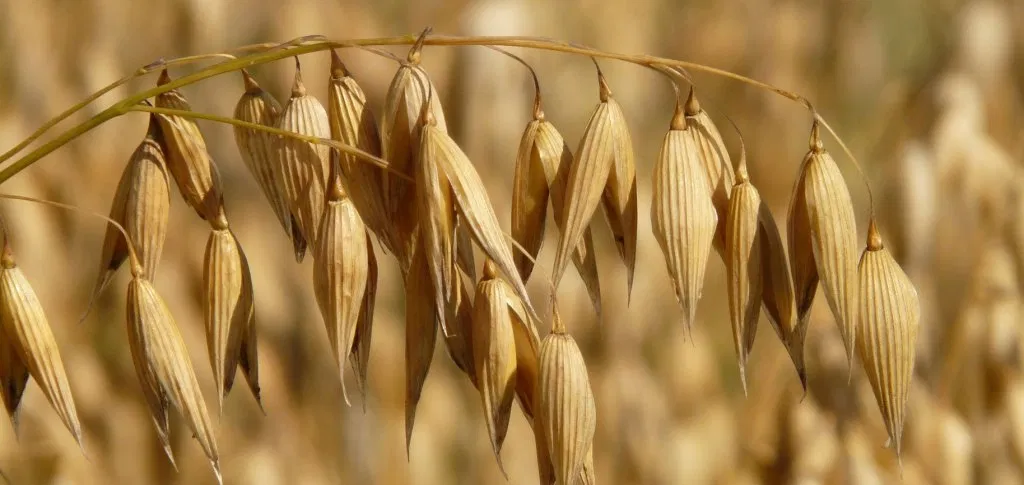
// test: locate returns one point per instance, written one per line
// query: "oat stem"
(269, 52)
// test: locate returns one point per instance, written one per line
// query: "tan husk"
(890, 315)
(459, 341)
(829, 228)
(25, 327)
(473, 205)
(188, 159)
(13, 380)
(302, 166)
(259, 152)
(162, 363)
(587, 177)
(248, 357)
(683, 216)
(353, 124)
(436, 215)
(227, 306)
(619, 199)
(420, 334)
(465, 259)
(715, 158)
(340, 273)
(400, 141)
(777, 292)
(566, 403)
(360, 356)
(743, 266)
(494, 356)
(142, 206)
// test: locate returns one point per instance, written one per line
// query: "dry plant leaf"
(142, 206)
(822, 220)
(566, 403)
(420, 334)
(473, 204)
(302, 166)
(28, 332)
(259, 152)
(715, 158)
(162, 363)
(494, 356)
(890, 315)
(188, 159)
(682, 215)
(400, 142)
(605, 144)
(341, 272)
(353, 124)
(227, 306)
(743, 260)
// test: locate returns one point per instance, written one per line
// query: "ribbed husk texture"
(188, 159)
(420, 335)
(743, 263)
(715, 159)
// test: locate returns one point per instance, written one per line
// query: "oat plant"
(338, 177)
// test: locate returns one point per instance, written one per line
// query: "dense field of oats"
(928, 95)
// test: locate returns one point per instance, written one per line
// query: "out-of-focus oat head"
(336, 264)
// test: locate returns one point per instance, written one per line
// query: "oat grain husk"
(162, 363)
(779, 301)
(227, 306)
(141, 205)
(302, 166)
(341, 273)
(259, 152)
(715, 158)
(188, 159)
(360, 356)
(566, 403)
(13, 380)
(743, 260)
(436, 214)
(353, 124)
(822, 220)
(25, 327)
(683, 215)
(420, 335)
(890, 315)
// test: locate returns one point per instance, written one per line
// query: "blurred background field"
(926, 93)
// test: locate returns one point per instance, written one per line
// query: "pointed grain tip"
(815, 141)
(164, 78)
(338, 69)
(692, 104)
(678, 122)
(874, 238)
(251, 86)
(604, 92)
(298, 87)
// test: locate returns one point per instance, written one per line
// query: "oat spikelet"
(188, 160)
(473, 205)
(436, 214)
(890, 314)
(566, 403)
(353, 124)
(227, 306)
(360, 356)
(340, 273)
(25, 327)
(826, 224)
(162, 362)
(743, 265)
(619, 199)
(400, 142)
(715, 159)
(248, 357)
(541, 172)
(459, 341)
(302, 166)
(420, 335)
(777, 292)
(494, 355)
(259, 152)
(13, 380)
(682, 215)
(142, 206)
(605, 144)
